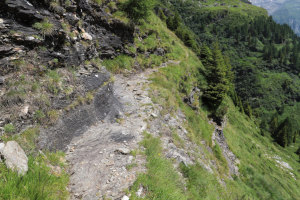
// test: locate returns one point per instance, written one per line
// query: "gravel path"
(99, 158)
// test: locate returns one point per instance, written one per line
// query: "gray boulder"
(15, 157)
(2, 145)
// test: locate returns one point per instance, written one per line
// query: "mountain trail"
(100, 159)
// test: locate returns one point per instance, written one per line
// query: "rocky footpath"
(102, 139)
(100, 158)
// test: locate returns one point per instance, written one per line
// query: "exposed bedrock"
(80, 31)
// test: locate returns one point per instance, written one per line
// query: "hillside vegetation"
(264, 56)
(262, 172)
(261, 176)
(222, 67)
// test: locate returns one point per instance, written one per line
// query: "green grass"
(99, 2)
(53, 81)
(26, 139)
(161, 180)
(171, 84)
(200, 184)
(235, 6)
(46, 27)
(39, 183)
(9, 128)
(260, 173)
(42, 181)
(177, 139)
(39, 115)
(119, 63)
(260, 176)
(174, 82)
(218, 153)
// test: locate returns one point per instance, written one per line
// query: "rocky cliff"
(37, 36)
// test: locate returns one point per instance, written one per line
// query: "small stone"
(86, 36)
(1, 80)
(108, 162)
(30, 38)
(79, 196)
(125, 197)
(144, 127)
(130, 158)
(72, 149)
(124, 151)
(139, 192)
(24, 110)
(154, 115)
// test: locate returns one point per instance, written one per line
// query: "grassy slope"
(266, 92)
(46, 177)
(261, 177)
(235, 6)
(258, 167)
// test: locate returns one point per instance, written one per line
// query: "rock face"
(79, 32)
(74, 123)
(15, 157)
(64, 40)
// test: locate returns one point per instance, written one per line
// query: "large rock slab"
(15, 157)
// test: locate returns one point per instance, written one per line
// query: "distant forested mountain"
(283, 11)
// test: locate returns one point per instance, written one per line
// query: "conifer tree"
(298, 152)
(240, 105)
(248, 109)
(138, 9)
(162, 15)
(173, 22)
(274, 125)
(217, 76)
(206, 56)
(282, 135)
